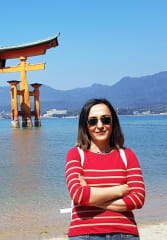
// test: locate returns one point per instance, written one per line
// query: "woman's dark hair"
(84, 139)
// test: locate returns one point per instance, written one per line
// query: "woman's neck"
(100, 148)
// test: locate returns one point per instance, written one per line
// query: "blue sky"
(101, 41)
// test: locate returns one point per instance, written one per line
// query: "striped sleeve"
(79, 194)
(135, 199)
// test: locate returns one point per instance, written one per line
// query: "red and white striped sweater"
(101, 170)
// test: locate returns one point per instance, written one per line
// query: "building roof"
(29, 49)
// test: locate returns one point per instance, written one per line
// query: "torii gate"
(22, 52)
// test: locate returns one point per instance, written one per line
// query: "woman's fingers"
(82, 181)
(125, 189)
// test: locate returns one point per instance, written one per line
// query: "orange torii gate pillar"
(26, 122)
(36, 112)
(14, 104)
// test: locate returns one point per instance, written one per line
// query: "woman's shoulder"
(128, 150)
(72, 152)
(130, 153)
(131, 156)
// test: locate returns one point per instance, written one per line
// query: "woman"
(104, 190)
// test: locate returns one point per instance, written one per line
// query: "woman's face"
(100, 132)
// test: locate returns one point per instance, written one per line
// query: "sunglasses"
(106, 120)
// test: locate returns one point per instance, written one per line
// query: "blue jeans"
(107, 236)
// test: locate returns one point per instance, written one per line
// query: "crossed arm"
(109, 198)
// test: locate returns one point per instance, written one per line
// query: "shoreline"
(76, 116)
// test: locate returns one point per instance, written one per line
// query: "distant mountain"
(129, 92)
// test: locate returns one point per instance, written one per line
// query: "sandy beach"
(148, 231)
(153, 231)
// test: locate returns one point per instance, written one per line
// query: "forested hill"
(129, 92)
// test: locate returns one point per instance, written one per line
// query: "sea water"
(32, 162)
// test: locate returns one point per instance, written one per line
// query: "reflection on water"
(26, 157)
(30, 182)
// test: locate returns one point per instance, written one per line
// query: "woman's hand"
(82, 181)
(124, 189)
